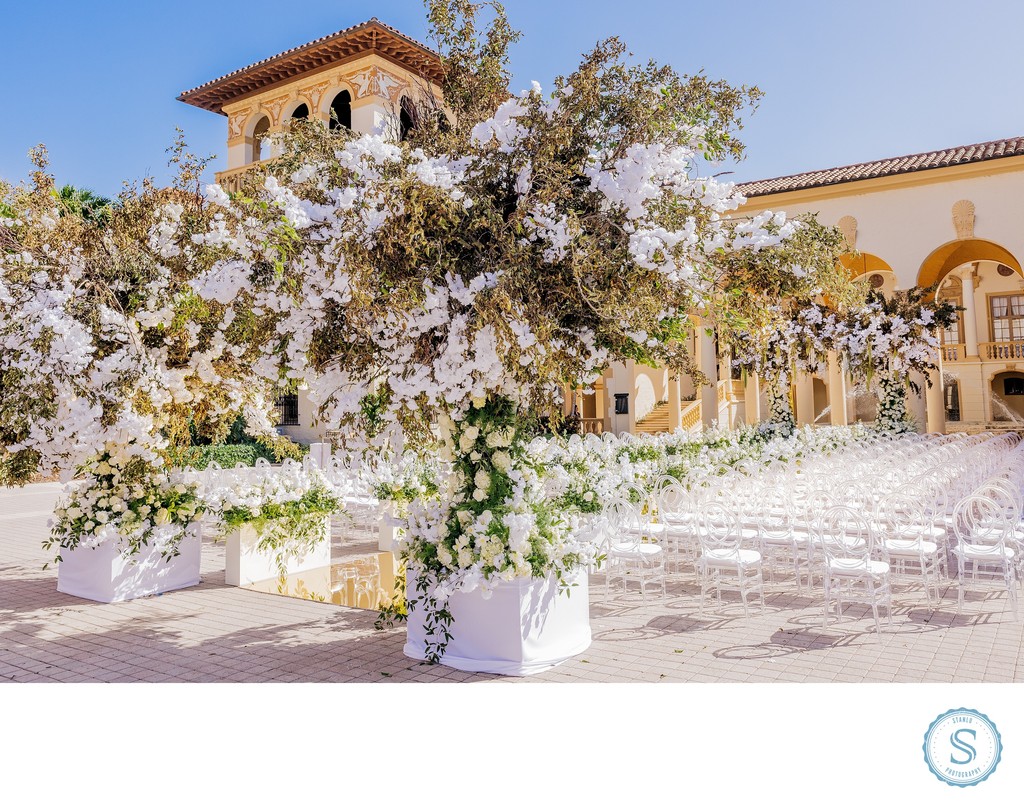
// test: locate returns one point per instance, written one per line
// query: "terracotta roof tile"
(957, 155)
(369, 36)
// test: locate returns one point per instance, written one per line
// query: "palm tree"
(84, 203)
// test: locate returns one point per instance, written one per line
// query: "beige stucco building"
(953, 217)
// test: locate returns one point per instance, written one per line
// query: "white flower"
(502, 461)
(482, 480)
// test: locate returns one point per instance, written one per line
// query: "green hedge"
(227, 455)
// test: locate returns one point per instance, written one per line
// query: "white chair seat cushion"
(857, 567)
(638, 550)
(909, 547)
(969, 551)
(726, 557)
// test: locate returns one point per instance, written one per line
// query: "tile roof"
(370, 36)
(958, 155)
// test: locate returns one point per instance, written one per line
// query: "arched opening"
(259, 132)
(406, 118)
(876, 271)
(863, 263)
(1007, 396)
(951, 255)
(341, 111)
(301, 112)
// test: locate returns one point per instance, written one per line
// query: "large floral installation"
(887, 339)
(512, 246)
(786, 297)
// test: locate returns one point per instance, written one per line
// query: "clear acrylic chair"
(851, 574)
(908, 540)
(629, 554)
(981, 530)
(724, 564)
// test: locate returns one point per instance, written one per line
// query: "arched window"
(262, 127)
(301, 112)
(341, 111)
(406, 118)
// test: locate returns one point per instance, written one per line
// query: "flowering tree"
(108, 357)
(786, 297)
(513, 245)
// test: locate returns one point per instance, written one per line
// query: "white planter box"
(245, 565)
(525, 627)
(104, 574)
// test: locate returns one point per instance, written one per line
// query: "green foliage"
(226, 455)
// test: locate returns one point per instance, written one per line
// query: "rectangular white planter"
(244, 564)
(104, 574)
(525, 627)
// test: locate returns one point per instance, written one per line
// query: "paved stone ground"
(215, 633)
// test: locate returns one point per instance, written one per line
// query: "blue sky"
(844, 82)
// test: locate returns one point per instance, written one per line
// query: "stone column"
(371, 115)
(935, 403)
(836, 391)
(675, 410)
(916, 403)
(804, 399)
(752, 400)
(709, 367)
(970, 314)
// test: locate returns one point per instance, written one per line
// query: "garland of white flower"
(892, 413)
(780, 405)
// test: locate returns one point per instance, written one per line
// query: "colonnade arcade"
(980, 384)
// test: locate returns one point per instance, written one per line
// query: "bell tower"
(364, 78)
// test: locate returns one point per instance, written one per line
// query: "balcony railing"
(954, 352)
(231, 180)
(595, 426)
(1013, 350)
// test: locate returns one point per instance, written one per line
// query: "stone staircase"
(654, 422)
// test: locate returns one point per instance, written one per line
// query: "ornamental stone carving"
(275, 107)
(236, 123)
(376, 82)
(848, 226)
(315, 94)
(963, 219)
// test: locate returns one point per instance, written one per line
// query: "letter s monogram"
(954, 739)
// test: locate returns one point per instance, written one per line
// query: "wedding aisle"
(228, 634)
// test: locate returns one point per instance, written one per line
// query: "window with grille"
(954, 332)
(1007, 318)
(952, 396)
(287, 410)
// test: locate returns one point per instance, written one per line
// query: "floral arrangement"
(512, 245)
(121, 499)
(887, 339)
(402, 479)
(880, 341)
(493, 521)
(285, 506)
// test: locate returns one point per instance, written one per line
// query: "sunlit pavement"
(215, 633)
